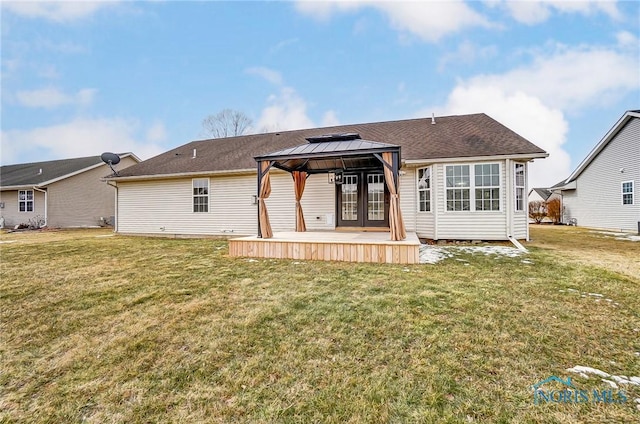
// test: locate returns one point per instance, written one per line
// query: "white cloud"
(466, 53)
(570, 79)
(156, 132)
(80, 137)
(57, 11)
(330, 119)
(533, 100)
(429, 21)
(274, 77)
(533, 12)
(627, 39)
(285, 111)
(526, 115)
(52, 97)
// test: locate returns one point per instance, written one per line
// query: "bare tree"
(226, 123)
(554, 210)
(537, 210)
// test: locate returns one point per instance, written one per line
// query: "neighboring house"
(59, 193)
(542, 195)
(603, 190)
(461, 177)
(539, 195)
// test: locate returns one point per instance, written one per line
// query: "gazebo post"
(257, 196)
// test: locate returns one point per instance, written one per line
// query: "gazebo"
(333, 153)
(341, 155)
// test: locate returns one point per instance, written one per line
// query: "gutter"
(460, 159)
(46, 203)
(181, 175)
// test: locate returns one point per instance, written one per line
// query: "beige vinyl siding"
(597, 200)
(476, 225)
(520, 222)
(408, 198)
(165, 206)
(81, 200)
(318, 201)
(11, 212)
(420, 222)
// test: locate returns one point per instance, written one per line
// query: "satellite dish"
(110, 159)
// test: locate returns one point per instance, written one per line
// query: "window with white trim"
(627, 193)
(424, 189)
(25, 200)
(473, 187)
(520, 183)
(487, 177)
(201, 195)
(458, 184)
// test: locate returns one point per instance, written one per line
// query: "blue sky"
(82, 78)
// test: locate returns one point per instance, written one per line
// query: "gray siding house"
(460, 177)
(59, 193)
(603, 190)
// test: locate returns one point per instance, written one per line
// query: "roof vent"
(334, 137)
(194, 154)
(433, 119)
(40, 171)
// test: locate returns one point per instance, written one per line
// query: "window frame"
(629, 193)
(195, 196)
(27, 201)
(458, 189)
(489, 187)
(427, 191)
(519, 188)
(471, 188)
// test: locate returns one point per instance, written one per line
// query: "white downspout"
(46, 201)
(435, 199)
(525, 201)
(115, 224)
(509, 199)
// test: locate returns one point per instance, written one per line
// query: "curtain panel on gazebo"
(265, 192)
(396, 224)
(299, 180)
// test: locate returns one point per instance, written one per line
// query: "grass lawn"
(123, 329)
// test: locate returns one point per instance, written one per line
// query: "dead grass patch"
(126, 329)
(590, 247)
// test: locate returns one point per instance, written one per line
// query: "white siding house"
(457, 181)
(603, 191)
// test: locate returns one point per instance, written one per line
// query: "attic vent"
(334, 137)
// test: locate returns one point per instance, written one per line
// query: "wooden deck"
(329, 246)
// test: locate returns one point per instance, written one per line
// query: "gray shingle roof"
(26, 174)
(451, 136)
(543, 192)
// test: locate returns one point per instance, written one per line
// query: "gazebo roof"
(329, 153)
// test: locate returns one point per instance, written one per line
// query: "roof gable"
(542, 192)
(629, 115)
(43, 173)
(450, 137)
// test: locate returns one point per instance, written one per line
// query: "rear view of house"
(59, 193)
(460, 177)
(603, 190)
